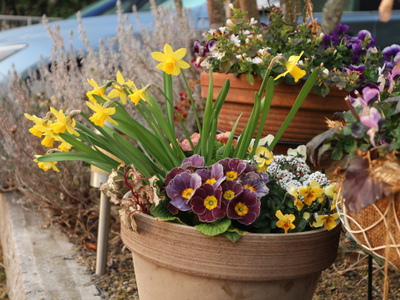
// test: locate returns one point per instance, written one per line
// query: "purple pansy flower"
(365, 95)
(366, 36)
(245, 208)
(181, 189)
(360, 69)
(389, 53)
(206, 203)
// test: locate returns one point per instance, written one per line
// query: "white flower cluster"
(290, 170)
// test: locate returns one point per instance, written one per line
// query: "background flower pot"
(308, 122)
(176, 262)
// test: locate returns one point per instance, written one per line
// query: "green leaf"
(215, 228)
(350, 145)
(234, 234)
(161, 211)
(250, 78)
(337, 152)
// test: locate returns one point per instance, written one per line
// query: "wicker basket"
(377, 227)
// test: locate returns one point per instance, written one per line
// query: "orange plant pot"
(176, 262)
(308, 122)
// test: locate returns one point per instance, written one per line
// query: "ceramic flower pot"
(308, 122)
(176, 262)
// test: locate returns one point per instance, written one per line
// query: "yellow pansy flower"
(285, 221)
(292, 190)
(311, 192)
(264, 157)
(292, 68)
(171, 62)
(328, 221)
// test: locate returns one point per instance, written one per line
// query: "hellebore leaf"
(359, 188)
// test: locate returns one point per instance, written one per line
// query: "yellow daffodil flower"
(46, 165)
(170, 61)
(97, 90)
(118, 89)
(49, 139)
(138, 95)
(264, 157)
(311, 192)
(328, 221)
(63, 123)
(101, 114)
(41, 125)
(285, 221)
(292, 68)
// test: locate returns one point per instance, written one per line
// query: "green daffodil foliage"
(215, 182)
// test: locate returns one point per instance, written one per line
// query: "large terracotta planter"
(308, 122)
(176, 262)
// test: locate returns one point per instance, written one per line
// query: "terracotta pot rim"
(248, 234)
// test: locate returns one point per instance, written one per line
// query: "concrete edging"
(39, 262)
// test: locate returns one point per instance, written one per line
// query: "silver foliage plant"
(58, 87)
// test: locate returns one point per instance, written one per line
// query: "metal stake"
(98, 177)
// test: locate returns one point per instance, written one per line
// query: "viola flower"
(245, 208)
(264, 157)
(328, 221)
(46, 165)
(366, 37)
(365, 95)
(285, 221)
(118, 89)
(101, 114)
(230, 190)
(63, 123)
(214, 176)
(311, 192)
(359, 69)
(206, 203)
(293, 69)
(233, 168)
(170, 61)
(297, 202)
(181, 189)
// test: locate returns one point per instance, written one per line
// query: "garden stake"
(97, 177)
